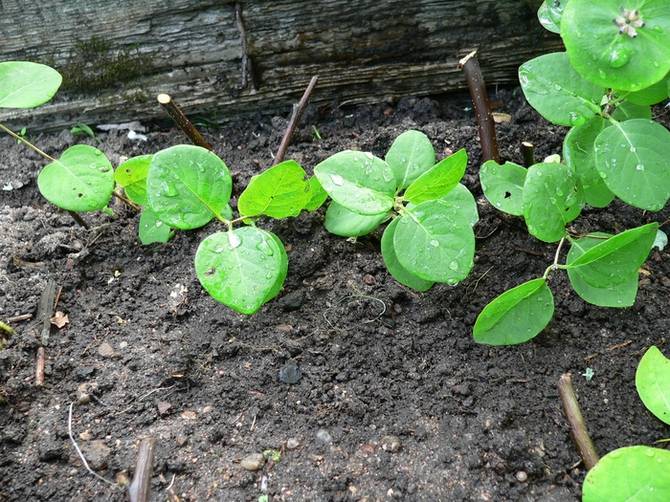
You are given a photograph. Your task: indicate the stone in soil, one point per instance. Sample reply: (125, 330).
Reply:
(253, 462)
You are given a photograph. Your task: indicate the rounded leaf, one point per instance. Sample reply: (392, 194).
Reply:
(632, 158)
(652, 380)
(627, 110)
(399, 273)
(620, 44)
(132, 177)
(549, 14)
(461, 204)
(187, 186)
(557, 91)
(434, 243)
(359, 181)
(240, 268)
(503, 185)
(516, 316)
(650, 95)
(340, 221)
(632, 473)
(151, 229)
(27, 85)
(410, 155)
(551, 200)
(82, 179)
(283, 270)
(279, 192)
(579, 155)
(439, 180)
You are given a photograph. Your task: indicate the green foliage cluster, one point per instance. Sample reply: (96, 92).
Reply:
(616, 65)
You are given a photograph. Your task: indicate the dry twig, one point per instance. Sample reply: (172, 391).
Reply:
(140, 488)
(298, 110)
(577, 425)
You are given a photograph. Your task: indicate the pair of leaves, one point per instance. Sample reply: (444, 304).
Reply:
(27, 85)
(546, 194)
(601, 271)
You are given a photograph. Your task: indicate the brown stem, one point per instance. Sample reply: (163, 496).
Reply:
(248, 75)
(140, 489)
(298, 110)
(126, 201)
(39, 367)
(577, 425)
(528, 153)
(175, 112)
(480, 100)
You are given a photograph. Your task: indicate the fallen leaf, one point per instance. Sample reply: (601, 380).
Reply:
(59, 319)
(500, 118)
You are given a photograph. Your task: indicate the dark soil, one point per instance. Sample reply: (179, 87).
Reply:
(472, 421)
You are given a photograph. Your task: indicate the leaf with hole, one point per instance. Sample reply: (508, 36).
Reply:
(27, 85)
(340, 221)
(652, 380)
(579, 155)
(557, 91)
(359, 181)
(503, 185)
(241, 268)
(410, 155)
(632, 158)
(622, 45)
(399, 273)
(551, 200)
(152, 230)
(632, 473)
(516, 316)
(82, 179)
(131, 175)
(618, 294)
(187, 186)
(440, 180)
(434, 244)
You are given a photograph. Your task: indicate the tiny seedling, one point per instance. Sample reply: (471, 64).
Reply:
(615, 66)
(637, 472)
(430, 237)
(82, 130)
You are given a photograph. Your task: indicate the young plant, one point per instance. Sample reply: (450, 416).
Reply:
(81, 180)
(429, 238)
(637, 472)
(185, 187)
(615, 66)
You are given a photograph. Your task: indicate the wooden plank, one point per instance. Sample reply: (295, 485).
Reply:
(363, 51)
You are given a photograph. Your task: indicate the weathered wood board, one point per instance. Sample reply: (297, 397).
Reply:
(116, 56)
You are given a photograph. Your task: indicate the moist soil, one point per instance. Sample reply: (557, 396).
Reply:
(394, 400)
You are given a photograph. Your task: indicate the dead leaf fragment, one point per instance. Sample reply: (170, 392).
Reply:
(500, 118)
(59, 319)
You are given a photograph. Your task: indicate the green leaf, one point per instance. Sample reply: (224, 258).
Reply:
(579, 155)
(516, 316)
(616, 259)
(619, 294)
(81, 129)
(630, 60)
(317, 195)
(461, 204)
(340, 221)
(503, 185)
(632, 159)
(434, 243)
(187, 186)
(550, 13)
(652, 380)
(132, 177)
(626, 111)
(550, 200)
(410, 155)
(152, 230)
(440, 180)
(240, 268)
(399, 273)
(279, 192)
(632, 473)
(283, 270)
(557, 91)
(27, 85)
(650, 95)
(81, 180)
(358, 181)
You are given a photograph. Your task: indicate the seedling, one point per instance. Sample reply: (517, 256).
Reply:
(616, 66)
(429, 238)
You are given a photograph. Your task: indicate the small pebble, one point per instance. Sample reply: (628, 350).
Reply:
(324, 436)
(106, 350)
(292, 443)
(253, 462)
(391, 443)
(290, 373)
(369, 279)
(181, 440)
(163, 407)
(521, 477)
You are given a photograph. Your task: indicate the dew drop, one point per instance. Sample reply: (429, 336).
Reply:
(639, 167)
(337, 179)
(434, 243)
(618, 57)
(234, 240)
(633, 149)
(453, 266)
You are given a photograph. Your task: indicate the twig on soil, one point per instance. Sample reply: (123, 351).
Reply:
(577, 425)
(140, 488)
(45, 311)
(528, 153)
(609, 349)
(39, 367)
(480, 100)
(248, 75)
(476, 283)
(171, 495)
(298, 110)
(79, 452)
(126, 201)
(19, 318)
(187, 127)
